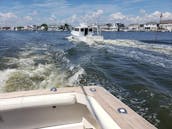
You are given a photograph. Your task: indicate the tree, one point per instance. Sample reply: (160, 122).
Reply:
(67, 26)
(61, 27)
(44, 26)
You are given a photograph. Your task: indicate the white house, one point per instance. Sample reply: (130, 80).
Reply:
(28, 28)
(114, 27)
(166, 25)
(52, 27)
(133, 27)
(151, 26)
(105, 27)
(109, 27)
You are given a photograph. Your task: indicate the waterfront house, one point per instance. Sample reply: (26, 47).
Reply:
(106, 27)
(41, 28)
(52, 27)
(151, 26)
(29, 27)
(15, 29)
(19, 28)
(166, 25)
(121, 26)
(34, 27)
(6, 28)
(141, 27)
(112, 27)
(109, 27)
(133, 27)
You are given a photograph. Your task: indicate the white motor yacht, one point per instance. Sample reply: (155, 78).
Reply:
(85, 33)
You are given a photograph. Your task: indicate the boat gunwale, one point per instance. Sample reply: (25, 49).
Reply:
(109, 103)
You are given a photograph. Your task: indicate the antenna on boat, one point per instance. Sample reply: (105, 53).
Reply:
(98, 27)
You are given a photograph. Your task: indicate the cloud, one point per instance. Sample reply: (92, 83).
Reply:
(143, 18)
(142, 11)
(89, 18)
(52, 19)
(118, 16)
(92, 17)
(34, 13)
(73, 19)
(62, 11)
(136, 1)
(98, 16)
(97, 13)
(167, 15)
(52, 4)
(155, 16)
(28, 18)
(8, 15)
(7, 18)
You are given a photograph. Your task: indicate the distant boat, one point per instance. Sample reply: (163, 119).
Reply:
(67, 108)
(85, 33)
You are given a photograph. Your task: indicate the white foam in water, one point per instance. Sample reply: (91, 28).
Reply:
(71, 67)
(147, 57)
(4, 75)
(25, 53)
(62, 73)
(26, 62)
(161, 48)
(76, 76)
(128, 48)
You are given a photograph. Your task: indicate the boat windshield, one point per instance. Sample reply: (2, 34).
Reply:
(82, 29)
(76, 29)
(90, 29)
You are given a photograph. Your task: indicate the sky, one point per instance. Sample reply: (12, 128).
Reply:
(29, 12)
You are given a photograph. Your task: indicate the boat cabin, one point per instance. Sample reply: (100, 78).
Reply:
(82, 30)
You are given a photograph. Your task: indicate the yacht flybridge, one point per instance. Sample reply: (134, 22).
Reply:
(87, 34)
(67, 108)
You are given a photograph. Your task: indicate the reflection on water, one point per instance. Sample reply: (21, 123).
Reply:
(138, 73)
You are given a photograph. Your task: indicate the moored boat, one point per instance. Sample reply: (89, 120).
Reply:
(67, 108)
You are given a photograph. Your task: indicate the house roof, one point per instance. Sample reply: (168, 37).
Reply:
(148, 23)
(133, 25)
(166, 22)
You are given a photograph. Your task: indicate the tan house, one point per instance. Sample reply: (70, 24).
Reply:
(133, 27)
(166, 25)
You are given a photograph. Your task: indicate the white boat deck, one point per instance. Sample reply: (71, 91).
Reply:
(74, 108)
(69, 126)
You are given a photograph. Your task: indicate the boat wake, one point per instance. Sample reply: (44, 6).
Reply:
(38, 68)
(161, 48)
(155, 54)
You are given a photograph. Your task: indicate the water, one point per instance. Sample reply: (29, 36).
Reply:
(136, 67)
